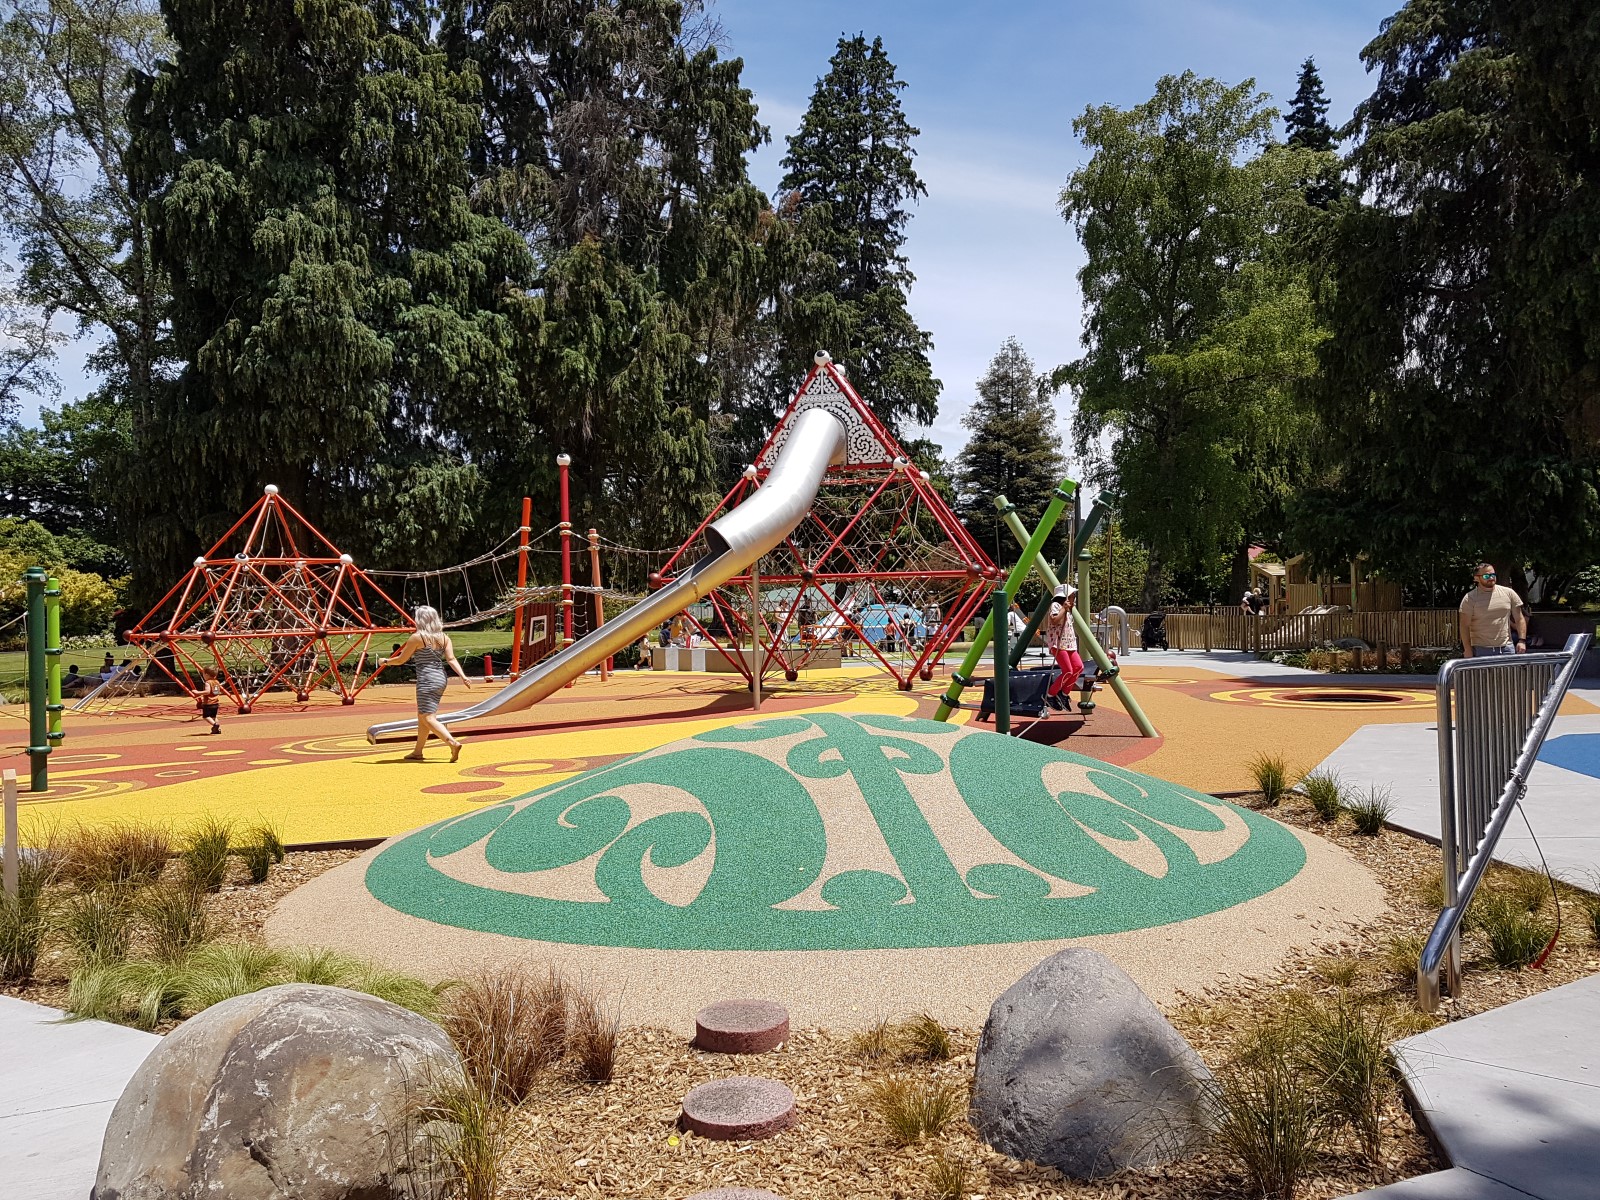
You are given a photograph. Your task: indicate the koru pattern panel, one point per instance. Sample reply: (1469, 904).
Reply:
(862, 446)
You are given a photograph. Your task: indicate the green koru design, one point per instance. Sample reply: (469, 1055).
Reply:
(838, 832)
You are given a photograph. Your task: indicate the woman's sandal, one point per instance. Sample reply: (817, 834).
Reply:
(455, 751)
(412, 758)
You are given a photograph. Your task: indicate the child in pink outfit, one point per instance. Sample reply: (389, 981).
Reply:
(1061, 639)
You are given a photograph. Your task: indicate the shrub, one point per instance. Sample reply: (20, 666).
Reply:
(205, 854)
(923, 1037)
(25, 918)
(913, 1109)
(1343, 1043)
(1530, 889)
(1269, 1118)
(1589, 906)
(1371, 811)
(257, 858)
(175, 915)
(1339, 972)
(98, 925)
(119, 855)
(1325, 792)
(1271, 774)
(508, 1026)
(592, 1034)
(874, 1042)
(1400, 956)
(947, 1178)
(1516, 936)
(470, 1134)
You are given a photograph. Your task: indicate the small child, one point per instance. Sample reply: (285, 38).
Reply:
(209, 698)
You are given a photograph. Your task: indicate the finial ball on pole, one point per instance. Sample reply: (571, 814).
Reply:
(271, 489)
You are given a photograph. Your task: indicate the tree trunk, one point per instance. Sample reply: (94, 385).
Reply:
(1239, 571)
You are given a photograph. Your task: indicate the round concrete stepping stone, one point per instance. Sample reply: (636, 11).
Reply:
(741, 1026)
(741, 1108)
(735, 1194)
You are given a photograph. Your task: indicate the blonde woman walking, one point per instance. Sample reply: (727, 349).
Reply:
(430, 647)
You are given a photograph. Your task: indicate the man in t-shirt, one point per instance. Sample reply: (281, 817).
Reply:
(1489, 612)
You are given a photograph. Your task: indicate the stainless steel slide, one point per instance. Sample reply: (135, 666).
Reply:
(736, 539)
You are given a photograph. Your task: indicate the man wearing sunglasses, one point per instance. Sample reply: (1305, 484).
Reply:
(1489, 612)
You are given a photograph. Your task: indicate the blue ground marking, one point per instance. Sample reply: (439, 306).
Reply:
(1578, 752)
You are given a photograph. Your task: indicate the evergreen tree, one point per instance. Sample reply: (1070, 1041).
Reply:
(1463, 301)
(614, 141)
(848, 178)
(344, 319)
(1307, 126)
(1014, 450)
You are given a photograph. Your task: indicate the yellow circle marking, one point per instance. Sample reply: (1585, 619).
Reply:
(269, 762)
(1394, 700)
(174, 774)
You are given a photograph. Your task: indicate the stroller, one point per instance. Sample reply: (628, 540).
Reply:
(1153, 632)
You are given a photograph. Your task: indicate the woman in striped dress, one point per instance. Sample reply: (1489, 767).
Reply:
(430, 649)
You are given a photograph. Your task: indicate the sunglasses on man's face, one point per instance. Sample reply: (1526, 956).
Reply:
(1487, 575)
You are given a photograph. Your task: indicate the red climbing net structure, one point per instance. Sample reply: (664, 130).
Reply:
(273, 605)
(880, 567)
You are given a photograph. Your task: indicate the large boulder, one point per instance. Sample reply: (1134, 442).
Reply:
(295, 1092)
(1078, 1070)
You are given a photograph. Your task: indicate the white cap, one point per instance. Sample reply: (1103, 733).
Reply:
(271, 489)
(563, 460)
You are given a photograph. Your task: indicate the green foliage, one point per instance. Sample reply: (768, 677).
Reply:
(204, 851)
(1589, 910)
(87, 601)
(176, 918)
(1306, 124)
(1199, 321)
(1370, 812)
(948, 1178)
(1456, 298)
(25, 918)
(1516, 934)
(1343, 1044)
(64, 476)
(474, 1133)
(1271, 775)
(1325, 792)
(1117, 568)
(1270, 1119)
(98, 925)
(145, 993)
(121, 854)
(1014, 451)
(848, 176)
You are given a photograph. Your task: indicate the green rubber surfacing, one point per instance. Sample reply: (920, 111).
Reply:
(753, 792)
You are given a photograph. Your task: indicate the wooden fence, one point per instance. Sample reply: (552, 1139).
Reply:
(1230, 629)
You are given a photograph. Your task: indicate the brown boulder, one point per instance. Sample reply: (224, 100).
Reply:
(296, 1092)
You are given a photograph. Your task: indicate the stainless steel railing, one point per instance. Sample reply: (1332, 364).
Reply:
(1494, 714)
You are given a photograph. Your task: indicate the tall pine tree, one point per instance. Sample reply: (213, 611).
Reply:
(1306, 124)
(1014, 450)
(614, 141)
(848, 179)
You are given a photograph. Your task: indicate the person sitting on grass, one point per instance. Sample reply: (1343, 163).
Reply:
(431, 650)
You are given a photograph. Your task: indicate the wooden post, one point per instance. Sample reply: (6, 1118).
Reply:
(1355, 659)
(8, 877)
(1383, 656)
(1405, 657)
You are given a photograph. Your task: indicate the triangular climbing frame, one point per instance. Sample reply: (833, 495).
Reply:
(273, 604)
(880, 567)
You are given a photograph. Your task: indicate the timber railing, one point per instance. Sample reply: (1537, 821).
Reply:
(1231, 629)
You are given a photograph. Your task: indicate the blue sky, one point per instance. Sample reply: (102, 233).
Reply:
(994, 88)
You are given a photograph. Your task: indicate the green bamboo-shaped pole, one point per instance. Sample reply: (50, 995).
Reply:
(1081, 624)
(1042, 610)
(962, 676)
(52, 657)
(38, 716)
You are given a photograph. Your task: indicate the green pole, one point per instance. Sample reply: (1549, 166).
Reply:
(1097, 513)
(962, 676)
(38, 718)
(52, 656)
(1085, 634)
(1002, 663)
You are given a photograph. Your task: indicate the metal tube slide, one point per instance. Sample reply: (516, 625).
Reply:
(735, 541)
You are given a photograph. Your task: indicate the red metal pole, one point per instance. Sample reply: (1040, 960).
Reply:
(522, 583)
(599, 604)
(563, 461)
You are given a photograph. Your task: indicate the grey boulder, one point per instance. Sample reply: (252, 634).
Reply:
(1078, 1070)
(297, 1092)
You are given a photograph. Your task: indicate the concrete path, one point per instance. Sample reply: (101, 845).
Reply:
(1562, 804)
(58, 1083)
(1513, 1098)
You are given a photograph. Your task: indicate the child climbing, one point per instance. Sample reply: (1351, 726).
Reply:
(1061, 639)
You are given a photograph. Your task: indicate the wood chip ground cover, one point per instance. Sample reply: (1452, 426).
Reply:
(620, 1141)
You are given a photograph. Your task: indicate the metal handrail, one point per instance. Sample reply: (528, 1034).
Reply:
(1492, 717)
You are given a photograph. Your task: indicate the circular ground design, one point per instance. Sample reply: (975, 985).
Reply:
(1282, 697)
(835, 832)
